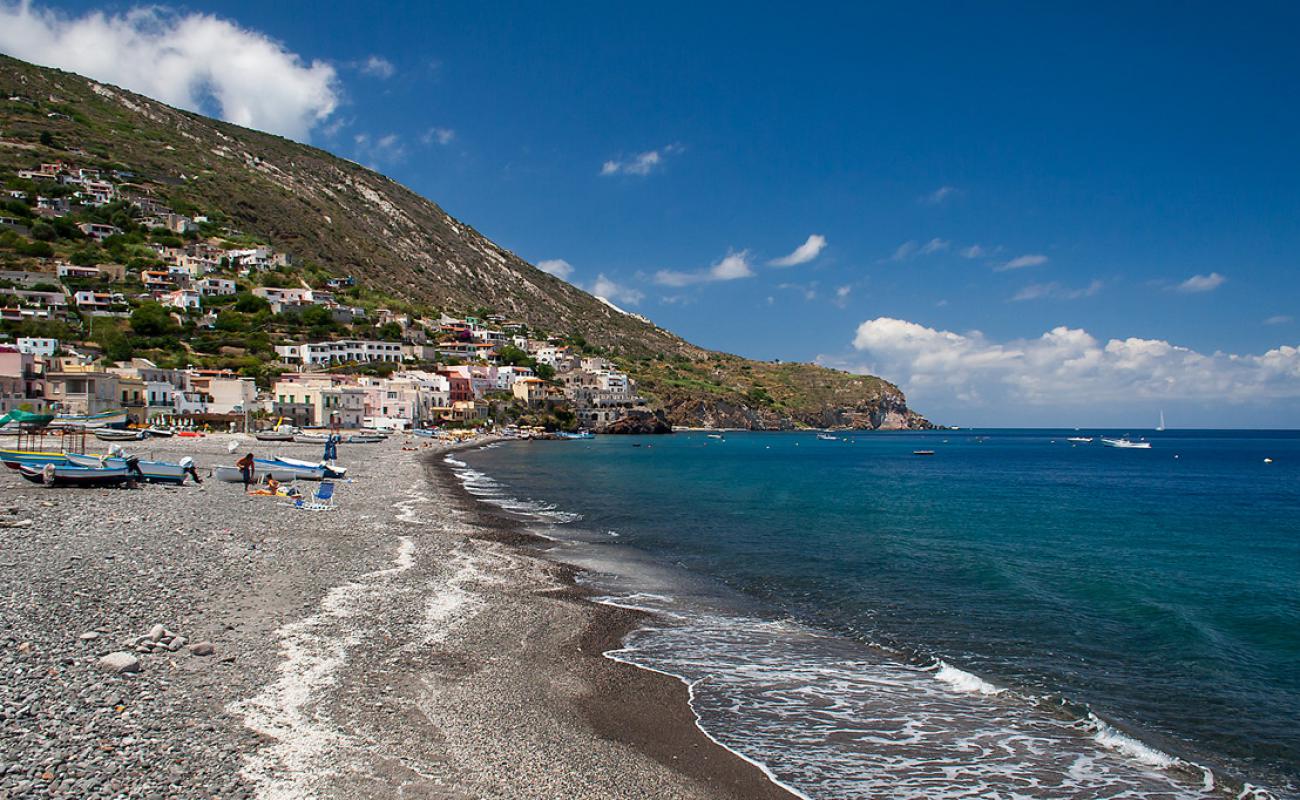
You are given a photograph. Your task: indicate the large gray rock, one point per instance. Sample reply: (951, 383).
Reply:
(120, 662)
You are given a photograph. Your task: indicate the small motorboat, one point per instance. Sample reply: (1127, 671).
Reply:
(1126, 444)
(311, 438)
(152, 471)
(160, 432)
(100, 420)
(578, 435)
(331, 471)
(922, 452)
(278, 435)
(260, 473)
(68, 475)
(118, 435)
(713, 436)
(365, 438)
(13, 459)
(305, 471)
(826, 437)
(1080, 439)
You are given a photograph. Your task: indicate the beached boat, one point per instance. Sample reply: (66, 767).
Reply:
(118, 435)
(261, 473)
(68, 475)
(311, 438)
(426, 432)
(1126, 443)
(307, 472)
(274, 436)
(100, 420)
(1080, 439)
(32, 458)
(364, 438)
(152, 471)
(160, 432)
(331, 470)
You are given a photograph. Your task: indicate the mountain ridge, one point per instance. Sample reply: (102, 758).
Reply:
(348, 219)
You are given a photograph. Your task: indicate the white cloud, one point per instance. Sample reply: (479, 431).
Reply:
(733, 266)
(196, 61)
(911, 248)
(439, 135)
(641, 163)
(610, 290)
(935, 246)
(1202, 283)
(1055, 291)
(842, 296)
(1067, 368)
(939, 196)
(557, 267)
(1020, 262)
(803, 253)
(904, 251)
(974, 251)
(378, 67)
(1278, 319)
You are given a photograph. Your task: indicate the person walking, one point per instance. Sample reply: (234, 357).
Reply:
(246, 470)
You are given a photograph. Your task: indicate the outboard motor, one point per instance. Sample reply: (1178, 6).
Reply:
(133, 467)
(187, 464)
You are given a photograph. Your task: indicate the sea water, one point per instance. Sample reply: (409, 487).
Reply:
(1016, 615)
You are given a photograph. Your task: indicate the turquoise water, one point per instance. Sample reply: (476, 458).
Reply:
(1015, 615)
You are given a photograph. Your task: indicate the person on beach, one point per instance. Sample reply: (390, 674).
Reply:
(245, 465)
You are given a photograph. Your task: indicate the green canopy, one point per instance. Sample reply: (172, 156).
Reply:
(26, 419)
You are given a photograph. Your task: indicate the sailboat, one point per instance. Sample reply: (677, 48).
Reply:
(1161, 426)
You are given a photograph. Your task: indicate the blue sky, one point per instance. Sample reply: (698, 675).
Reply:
(980, 177)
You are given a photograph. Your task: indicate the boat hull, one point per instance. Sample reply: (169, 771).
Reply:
(76, 476)
(33, 458)
(101, 420)
(153, 471)
(232, 474)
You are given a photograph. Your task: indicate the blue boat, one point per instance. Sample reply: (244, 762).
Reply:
(54, 475)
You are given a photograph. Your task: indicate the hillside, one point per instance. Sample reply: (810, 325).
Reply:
(343, 219)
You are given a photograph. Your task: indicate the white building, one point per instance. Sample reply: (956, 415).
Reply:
(182, 298)
(343, 351)
(210, 287)
(37, 347)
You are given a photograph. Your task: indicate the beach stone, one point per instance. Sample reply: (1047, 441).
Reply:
(157, 632)
(176, 643)
(120, 662)
(89, 636)
(202, 649)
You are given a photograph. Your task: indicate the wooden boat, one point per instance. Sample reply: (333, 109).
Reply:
(100, 420)
(310, 438)
(364, 438)
(68, 475)
(261, 473)
(159, 432)
(307, 472)
(152, 471)
(274, 436)
(13, 459)
(117, 435)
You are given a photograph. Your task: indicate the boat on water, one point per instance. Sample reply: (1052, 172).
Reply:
(1125, 443)
(118, 435)
(578, 435)
(69, 475)
(1080, 439)
(331, 470)
(104, 419)
(922, 452)
(713, 436)
(152, 471)
(826, 437)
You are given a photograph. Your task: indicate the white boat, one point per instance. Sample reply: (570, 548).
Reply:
(100, 420)
(1126, 443)
(1080, 439)
(714, 436)
(118, 435)
(153, 471)
(310, 438)
(826, 437)
(331, 471)
(260, 473)
(1161, 426)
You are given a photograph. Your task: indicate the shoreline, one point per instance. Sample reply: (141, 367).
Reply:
(631, 700)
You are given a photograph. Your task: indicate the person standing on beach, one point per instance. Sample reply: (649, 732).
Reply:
(246, 468)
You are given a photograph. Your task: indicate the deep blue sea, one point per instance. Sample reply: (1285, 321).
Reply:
(1016, 615)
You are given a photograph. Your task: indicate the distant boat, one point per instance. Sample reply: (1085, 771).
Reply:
(714, 436)
(922, 452)
(277, 435)
(1126, 443)
(118, 435)
(826, 437)
(1161, 426)
(1080, 439)
(365, 438)
(311, 438)
(100, 420)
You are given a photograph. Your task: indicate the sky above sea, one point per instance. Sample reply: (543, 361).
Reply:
(1023, 214)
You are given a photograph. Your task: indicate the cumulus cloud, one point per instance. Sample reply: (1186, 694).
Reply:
(641, 163)
(557, 267)
(733, 266)
(939, 196)
(1068, 367)
(803, 253)
(378, 67)
(616, 292)
(1055, 291)
(1020, 262)
(1201, 283)
(196, 61)
(440, 135)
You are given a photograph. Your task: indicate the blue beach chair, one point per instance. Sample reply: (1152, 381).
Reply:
(321, 500)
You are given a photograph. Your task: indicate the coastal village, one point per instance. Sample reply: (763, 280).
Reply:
(111, 299)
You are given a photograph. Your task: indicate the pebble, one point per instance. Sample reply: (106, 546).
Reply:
(120, 662)
(202, 649)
